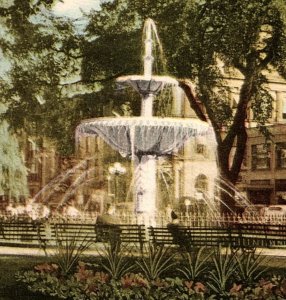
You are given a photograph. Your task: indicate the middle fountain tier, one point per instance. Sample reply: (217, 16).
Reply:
(145, 138)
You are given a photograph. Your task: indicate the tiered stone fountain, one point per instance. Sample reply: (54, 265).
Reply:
(145, 138)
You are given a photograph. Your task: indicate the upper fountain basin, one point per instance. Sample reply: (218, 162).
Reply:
(141, 135)
(146, 85)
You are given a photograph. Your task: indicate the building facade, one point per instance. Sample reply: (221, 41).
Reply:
(263, 175)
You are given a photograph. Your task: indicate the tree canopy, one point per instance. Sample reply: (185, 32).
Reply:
(13, 175)
(42, 51)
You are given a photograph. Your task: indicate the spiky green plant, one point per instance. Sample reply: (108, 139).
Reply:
(114, 260)
(157, 261)
(69, 250)
(250, 266)
(224, 268)
(194, 263)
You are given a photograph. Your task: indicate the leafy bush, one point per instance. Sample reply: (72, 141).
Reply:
(69, 250)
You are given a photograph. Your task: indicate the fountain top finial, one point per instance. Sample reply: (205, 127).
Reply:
(148, 57)
(148, 84)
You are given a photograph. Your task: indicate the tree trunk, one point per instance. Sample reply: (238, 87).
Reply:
(229, 171)
(234, 141)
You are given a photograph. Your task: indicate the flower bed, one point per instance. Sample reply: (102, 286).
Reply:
(160, 274)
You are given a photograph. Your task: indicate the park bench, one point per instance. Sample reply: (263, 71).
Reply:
(173, 236)
(276, 235)
(70, 231)
(211, 236)
(43, 234)
(245, 236)
(123, 233)
(249, 236)
(190, 237)
(21, 233)
(255, 235)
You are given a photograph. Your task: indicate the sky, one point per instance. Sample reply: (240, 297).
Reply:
(69, 8)
(72, 8)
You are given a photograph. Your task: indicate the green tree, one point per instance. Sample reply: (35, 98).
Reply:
(45, 89)
(43, 53)
(246, 37)
(13, 175)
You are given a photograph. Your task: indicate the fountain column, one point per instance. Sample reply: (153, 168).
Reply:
(146, 166)
(147, 99)
(145, 187)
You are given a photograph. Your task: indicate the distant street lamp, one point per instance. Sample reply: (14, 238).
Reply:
(116, 170)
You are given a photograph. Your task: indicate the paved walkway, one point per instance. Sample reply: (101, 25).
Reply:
(6, 250)
(25, 251)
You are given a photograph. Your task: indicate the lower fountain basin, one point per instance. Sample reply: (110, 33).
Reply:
(141, 135)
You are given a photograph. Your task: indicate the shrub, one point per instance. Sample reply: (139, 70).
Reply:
(249, 267)
(195, 263)
(157, 261)
(225, 266)
(115, 262)
(69, 250)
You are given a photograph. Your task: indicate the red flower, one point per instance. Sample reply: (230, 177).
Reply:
(199, 287)
(133, 280)
(46, 268)
(189, 284)
(235, 288)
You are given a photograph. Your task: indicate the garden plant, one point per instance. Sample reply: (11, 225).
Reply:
(158, 273)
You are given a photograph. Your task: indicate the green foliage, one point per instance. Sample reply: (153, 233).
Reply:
(114, 262)
(88, 281)
(157, 261)
(69, 250)
(195, 264)
(45, 279)
(13, 175)
(220, 276)
(250, 267)
(42, 54)
(207, 42)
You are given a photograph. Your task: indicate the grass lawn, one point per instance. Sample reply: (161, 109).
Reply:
(10, 289)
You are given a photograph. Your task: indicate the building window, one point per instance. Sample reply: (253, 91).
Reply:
(260, 156)
(281, 155)
(32, 157)
(201, 183)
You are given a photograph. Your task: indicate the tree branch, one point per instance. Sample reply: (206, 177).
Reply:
(194, 101)
(104, 79)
